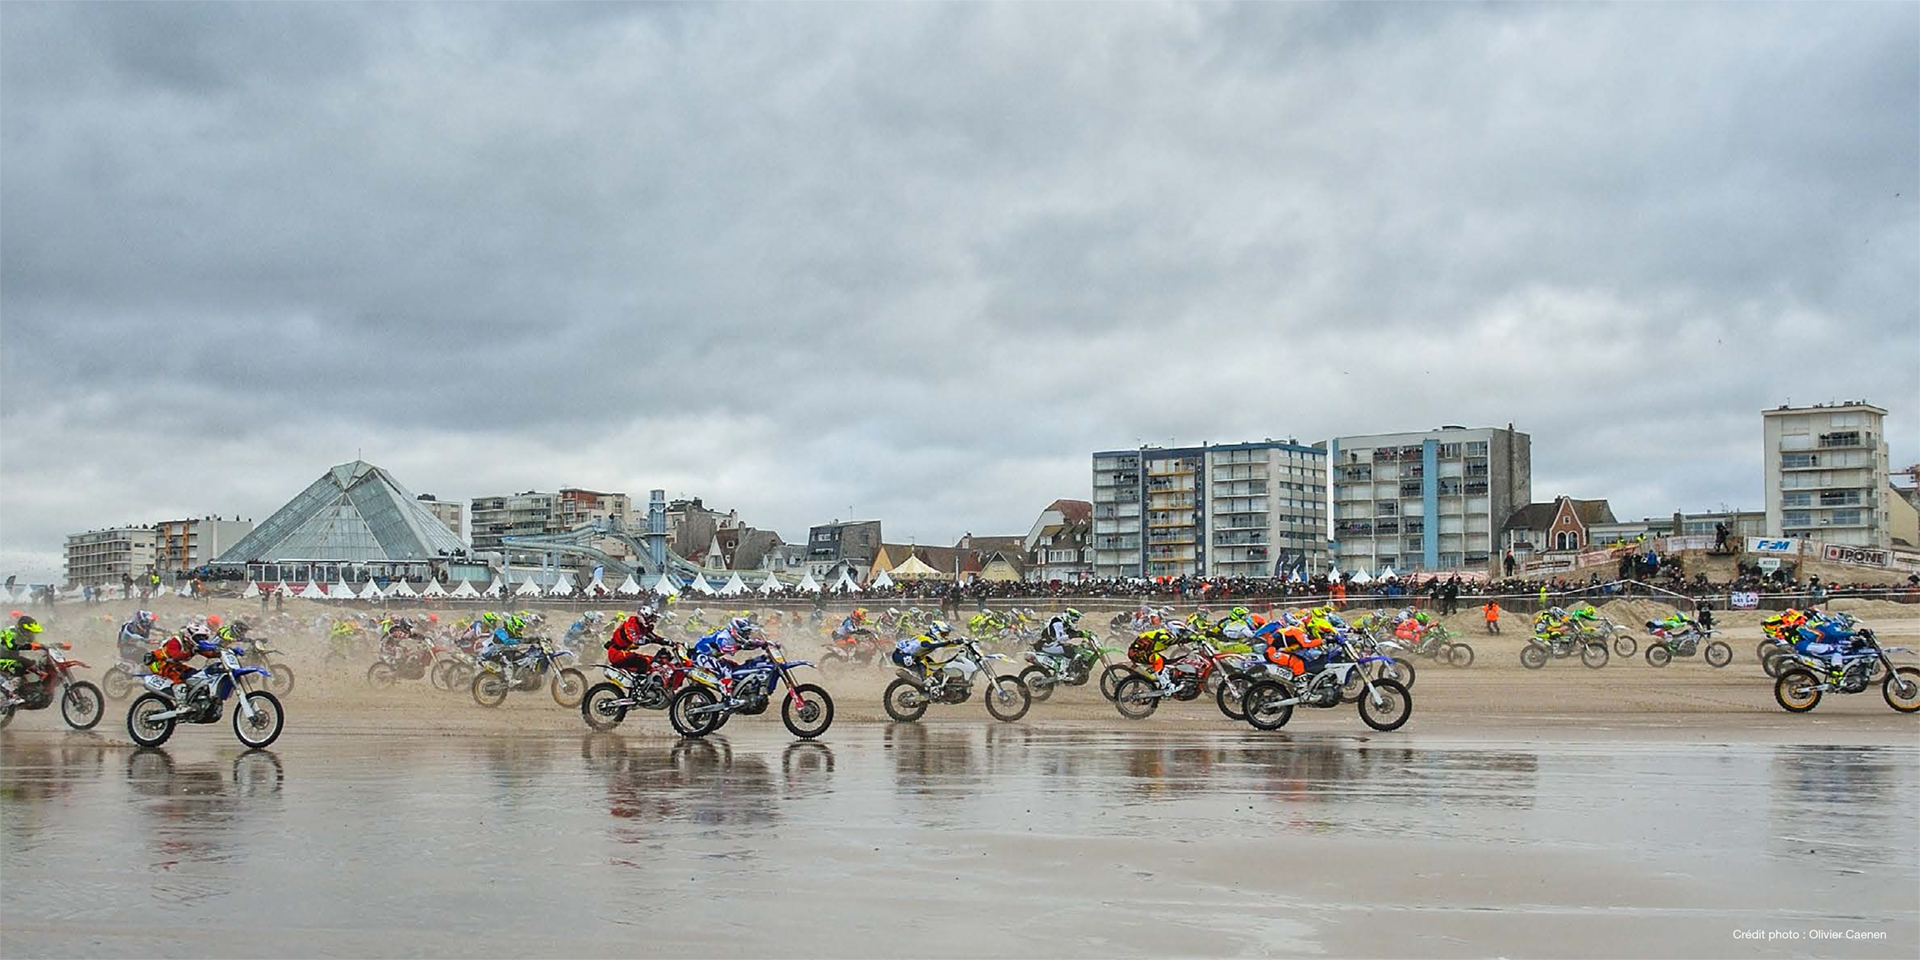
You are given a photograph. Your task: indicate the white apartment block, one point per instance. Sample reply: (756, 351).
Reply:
(1243, 509)
(1826, 471)
(1434, 500)
(101, 557)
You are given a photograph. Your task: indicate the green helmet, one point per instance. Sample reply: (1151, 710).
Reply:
(1421, 617)
(1072, 615)
(1240, 613)
(490, 618)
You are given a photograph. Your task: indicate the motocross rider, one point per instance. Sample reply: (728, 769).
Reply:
(170, 659)
(15, 643)
(910, 653)
(854, 624)
(1148, 650)
(629, 635)
(136, 636)
(711, 650)
(1060, 633)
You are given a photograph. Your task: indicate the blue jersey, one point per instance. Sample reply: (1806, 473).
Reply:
(714, 644)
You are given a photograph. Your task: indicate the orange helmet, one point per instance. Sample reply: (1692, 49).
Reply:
(213, 619)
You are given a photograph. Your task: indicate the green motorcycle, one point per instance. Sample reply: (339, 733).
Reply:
(1074, 668)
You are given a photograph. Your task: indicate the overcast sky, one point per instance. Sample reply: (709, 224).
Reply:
(917, 262)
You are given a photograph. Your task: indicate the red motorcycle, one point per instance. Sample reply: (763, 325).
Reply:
(402, 657)
(81, 703)
(607, 703)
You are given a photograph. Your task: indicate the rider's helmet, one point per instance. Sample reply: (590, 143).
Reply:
(939, 628)
(1421, 618)
(490, 618)
(1239, 613)
(433, 618)
(859, 613)
(648, 616)
(1072, 615)
(591, 616)
(239, 630)
(144, 619)
(26, 623)
(515, 623)
(213, 620)
(741, 627)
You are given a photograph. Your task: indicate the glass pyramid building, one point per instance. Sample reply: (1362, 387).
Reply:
(355, 513)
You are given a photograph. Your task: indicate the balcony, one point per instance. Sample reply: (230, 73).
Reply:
(1410, 489)
(1845, 439)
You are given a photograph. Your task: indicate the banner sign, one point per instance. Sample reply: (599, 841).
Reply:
(1769, 564)
(1594, 557)
(1744, 600)
(1902, 560)
(1772, 545)
(1856, 556)
(1677, 544)
(1546, 564)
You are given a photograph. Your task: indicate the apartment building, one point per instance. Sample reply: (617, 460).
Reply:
(102, 557)
(1242, 509)
(452, 513)
(534, 513)
(183, 545)
(1826, 473)
(1434, 500)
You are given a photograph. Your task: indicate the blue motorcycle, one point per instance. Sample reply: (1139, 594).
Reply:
(526, 666)
(257, 718)
(715, 690)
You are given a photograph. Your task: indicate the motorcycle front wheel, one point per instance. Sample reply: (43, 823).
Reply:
(1110, 679)
(279, 678)
(1135, 698)
(569, 685)
(904, 702)
(82, 705)
(1902, 689)
(118, 683)
(1008, 699)
(1229, 696)
(1718, 654)
(1460, 655)
(1391, 713)
(1625, 645)
(812, 716)
(267, 722)
(144, 730)
(1594, 655)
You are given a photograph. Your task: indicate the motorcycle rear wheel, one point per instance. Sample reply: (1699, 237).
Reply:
(1533, 656)
(1796, 691)
(382, 676)
(904, 702)
(1134, 698)
(118, 683)
(1039, 683)
(145, 732)
(1904, 684)
(82, 705)
(596, 707)
(1262, 705)
(1658, 655)
(489, 689)
(692, 698)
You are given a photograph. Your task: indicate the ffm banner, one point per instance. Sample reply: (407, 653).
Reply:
(1776, 545)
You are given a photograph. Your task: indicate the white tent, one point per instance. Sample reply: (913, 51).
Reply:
(372, 592)
(252, 590)
(312, 591)
(808, 584)
(434, 589)
(341, 591)
(284, 589)
(665, 587)
(630, 586)
(527, 588)
(772, 586)
(700, 585)
(495, 589)
(465, 590)
(845, 584)
(401, 588)
(562, 587)
(880, 581)
(1388, 574)
(734, 587)
(1335, 575)
(1362, 577)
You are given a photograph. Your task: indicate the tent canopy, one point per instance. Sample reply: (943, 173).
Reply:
(881, 581)
(629, 587)
(808, 584)
(466, 591)
(434, 589)
(734, 587)
(772, 586)
(913, 568)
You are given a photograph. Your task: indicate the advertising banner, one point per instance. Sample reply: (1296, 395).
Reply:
(1856, 556)
(1785, 546)
(1744, 600)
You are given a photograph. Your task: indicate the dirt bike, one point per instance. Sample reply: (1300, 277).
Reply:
(402, 657)
(1384, 704)
(81, 703)
(261, 653)
(1384, 662)
(1074, 668)
(906, 699)
(123, 678)
(606, 704)
(862, 649)
(526, 666)
(1606, 631)
(1805, 677)
(1187, 677)
(716, 691)
(1667, 645)
(1540, 649)
(1438, 643)
(257, 721)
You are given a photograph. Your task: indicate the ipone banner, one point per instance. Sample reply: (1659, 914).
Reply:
(1856, 556)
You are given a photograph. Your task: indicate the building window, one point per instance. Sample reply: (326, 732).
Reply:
(1796, 518)
(1792, 460)
(1796, 499)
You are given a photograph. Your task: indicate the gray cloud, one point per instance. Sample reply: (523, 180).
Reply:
(916, 262)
